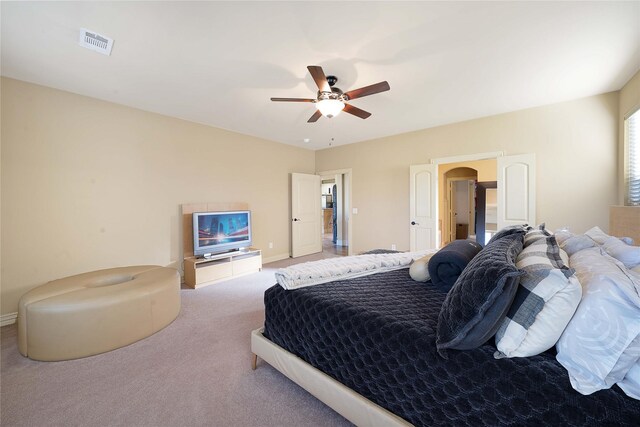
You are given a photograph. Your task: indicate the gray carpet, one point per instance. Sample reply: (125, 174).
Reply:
(195, 372)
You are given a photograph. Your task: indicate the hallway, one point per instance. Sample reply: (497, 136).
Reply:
(329, 247)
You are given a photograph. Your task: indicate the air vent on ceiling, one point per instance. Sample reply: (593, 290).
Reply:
(94, 41)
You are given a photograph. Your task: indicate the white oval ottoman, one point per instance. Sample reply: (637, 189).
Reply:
(91, 313)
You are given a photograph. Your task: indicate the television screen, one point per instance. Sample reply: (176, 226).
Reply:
(220, 231)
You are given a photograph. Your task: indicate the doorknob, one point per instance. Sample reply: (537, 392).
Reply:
(296, 219)
(414, 223)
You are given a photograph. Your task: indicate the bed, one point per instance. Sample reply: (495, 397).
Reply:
(366, 346)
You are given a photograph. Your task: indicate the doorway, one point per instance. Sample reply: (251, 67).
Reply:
(458, 174)
(515, 195)
(330, 205)
(335, 207)
(486, 211)
(460, 204)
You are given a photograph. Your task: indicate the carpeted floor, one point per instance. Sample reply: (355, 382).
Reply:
(195, 372)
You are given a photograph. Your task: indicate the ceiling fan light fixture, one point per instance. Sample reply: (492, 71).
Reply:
(330, 107)
(331, 100)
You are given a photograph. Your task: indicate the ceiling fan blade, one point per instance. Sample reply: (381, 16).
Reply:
(315, 117)
(293, 99)
(368, 90)
(319, 78)
(356, 111)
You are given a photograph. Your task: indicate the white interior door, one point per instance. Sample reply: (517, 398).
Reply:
(306, 214)
(423, 206)
(516, 190)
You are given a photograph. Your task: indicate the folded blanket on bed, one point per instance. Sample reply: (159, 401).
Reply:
(328, 270)
(447, 264)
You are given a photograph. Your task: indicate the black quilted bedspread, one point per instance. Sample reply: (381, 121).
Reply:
(376, 335)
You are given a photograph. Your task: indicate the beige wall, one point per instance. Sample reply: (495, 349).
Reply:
(576, 150)
(629, 102)
(88, 184)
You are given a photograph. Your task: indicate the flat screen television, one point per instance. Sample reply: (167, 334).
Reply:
(218, 232)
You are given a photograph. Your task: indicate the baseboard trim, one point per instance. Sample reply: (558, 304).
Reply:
(275, 258)
(8, 319)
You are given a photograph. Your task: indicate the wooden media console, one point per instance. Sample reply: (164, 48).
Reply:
(200, 271)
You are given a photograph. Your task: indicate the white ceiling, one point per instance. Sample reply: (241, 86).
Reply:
(218, 63)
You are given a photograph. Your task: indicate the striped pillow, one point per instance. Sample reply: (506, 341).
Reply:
(541, 252)
(535, 234)
(547, 297)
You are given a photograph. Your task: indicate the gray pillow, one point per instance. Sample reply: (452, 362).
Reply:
(479, 300)
(510, 229)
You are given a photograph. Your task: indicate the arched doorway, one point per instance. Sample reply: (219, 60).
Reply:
(459, 204)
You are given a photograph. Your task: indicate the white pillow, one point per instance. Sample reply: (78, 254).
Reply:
(418, 270)
(602, 341)
(627, 240)
(626, 254)
(562, 234)
(577, 243)
(597, 235)
(547, 297)
(631, 382)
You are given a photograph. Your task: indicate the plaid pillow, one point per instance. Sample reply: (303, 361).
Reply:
(547, 297)
(535, 234)
(540, 252)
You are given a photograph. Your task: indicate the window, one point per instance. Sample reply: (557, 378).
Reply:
(632, 160)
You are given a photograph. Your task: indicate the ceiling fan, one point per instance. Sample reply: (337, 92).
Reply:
(331, 100)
